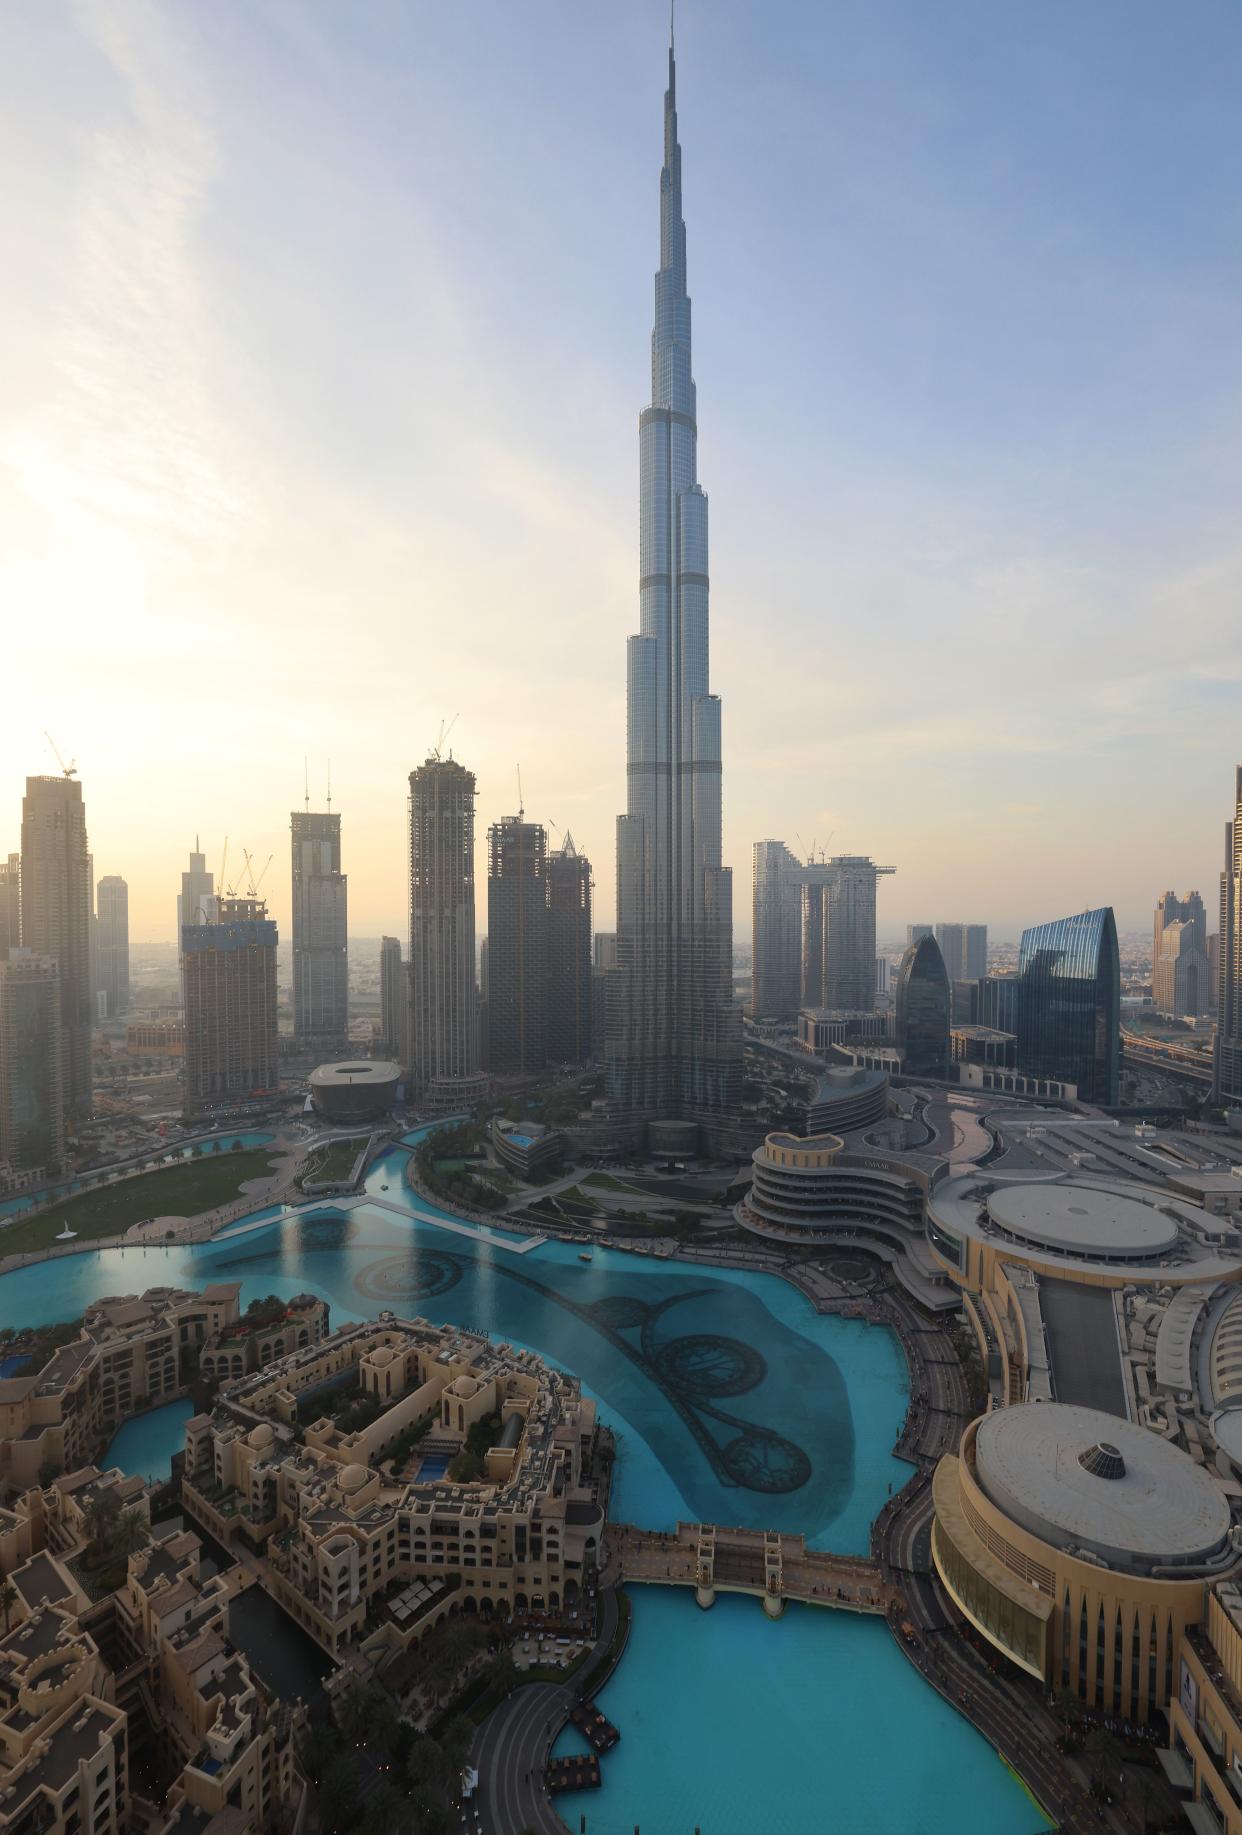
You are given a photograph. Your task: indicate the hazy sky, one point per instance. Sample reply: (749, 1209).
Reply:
(323, 341)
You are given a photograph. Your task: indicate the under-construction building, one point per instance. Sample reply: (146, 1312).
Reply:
(569, 1027)
(394, 1000)
(838, 932)
(56, 906)
(444, 1043)
(232, 1050)
(32, 1116)
(776, 957)
(517, 946)
(320, 929)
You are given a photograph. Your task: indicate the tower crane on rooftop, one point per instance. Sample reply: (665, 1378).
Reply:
(70, 770)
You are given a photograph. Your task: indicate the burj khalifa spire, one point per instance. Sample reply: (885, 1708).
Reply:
(674, 1034)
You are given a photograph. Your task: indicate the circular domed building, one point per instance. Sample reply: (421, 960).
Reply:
(361, 1090)
(1078, 1544)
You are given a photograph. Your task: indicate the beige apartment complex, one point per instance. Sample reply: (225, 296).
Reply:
(135, 1352)
(84, 1685)
(345, 1534)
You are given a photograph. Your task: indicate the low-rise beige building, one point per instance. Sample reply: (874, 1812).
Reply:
(80, 1680)
(129, 1355)
(343, 1534)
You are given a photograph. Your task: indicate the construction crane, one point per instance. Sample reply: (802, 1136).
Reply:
(521, 799)
(65, 770)
(255, 884)
(442, 741)
(231, 891)
(224, 861)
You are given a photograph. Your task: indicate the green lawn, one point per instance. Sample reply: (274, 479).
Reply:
(336, 1161)
(604, 1181)
(174, 1191)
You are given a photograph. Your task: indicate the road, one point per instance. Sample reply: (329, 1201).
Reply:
(512, 1747)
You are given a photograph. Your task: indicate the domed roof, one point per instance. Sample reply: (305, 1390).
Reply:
(383, 1356)
(261, 1435)
(1080, 1479)
(353, 1478)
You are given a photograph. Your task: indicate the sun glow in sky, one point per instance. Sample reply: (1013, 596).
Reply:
(322, 347)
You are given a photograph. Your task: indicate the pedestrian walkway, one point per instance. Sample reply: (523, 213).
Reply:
(770, 1566)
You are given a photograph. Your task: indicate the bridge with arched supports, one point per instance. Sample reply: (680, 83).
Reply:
(773, 1567)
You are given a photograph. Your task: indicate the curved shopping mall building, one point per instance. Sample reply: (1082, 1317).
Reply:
(1079, 1544)
(847, 1098)
(813, 1188)
(1094, 1231)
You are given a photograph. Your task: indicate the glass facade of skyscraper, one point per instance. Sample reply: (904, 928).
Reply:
(1069, 1003)
(674, 1035)
(922, 1011)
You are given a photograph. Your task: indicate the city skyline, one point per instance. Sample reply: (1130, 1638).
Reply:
(207, 514)
(492, 1272)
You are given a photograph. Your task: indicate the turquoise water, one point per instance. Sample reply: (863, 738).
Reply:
(813, 1724)
(145, 1445)
(180, 1150)
(734, 1401)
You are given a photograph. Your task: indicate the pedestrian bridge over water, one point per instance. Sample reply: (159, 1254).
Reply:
(773, 1567)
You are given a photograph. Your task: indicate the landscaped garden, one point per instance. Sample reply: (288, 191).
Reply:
(442, 1161)
(183, 1190)
(332, 1163)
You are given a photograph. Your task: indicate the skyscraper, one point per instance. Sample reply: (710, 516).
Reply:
(916, 932)
(112, 944)
(444, 1051)
(32, 1120)
(320, 946)
(10, 904)
(232, 1051)
(922, 1011)
(394, 1000)
(517, 946)
(776, 960)
(196, 900)
(675, 1042)
(838, 932)
(56, 916)
(569, 1036)
(964, 948)
(1069, 1003)
(1180, 973)
(1229, 996)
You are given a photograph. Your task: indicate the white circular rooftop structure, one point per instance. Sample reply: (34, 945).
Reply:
(1081, 1479)
(1082, 1221)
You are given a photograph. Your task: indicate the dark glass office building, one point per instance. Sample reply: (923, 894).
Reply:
(922, 1011)
(1069, 1003)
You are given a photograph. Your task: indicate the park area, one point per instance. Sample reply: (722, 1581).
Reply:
(174, 1191)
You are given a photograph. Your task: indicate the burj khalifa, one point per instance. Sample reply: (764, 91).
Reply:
(674, 1042)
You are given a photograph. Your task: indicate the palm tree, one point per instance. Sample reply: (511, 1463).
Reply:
(503, 1671)
(131, 1532)
(97, 1521)
(1105, 1754)
(456, 1741)
(8, 1599)
(354, 1711)
(427, 1770)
